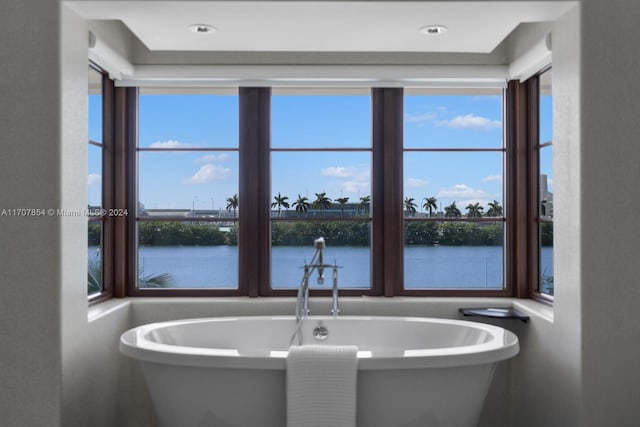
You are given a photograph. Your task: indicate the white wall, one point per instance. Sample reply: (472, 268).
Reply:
(610, 174)
(591, 348)
(56, 367)
(93, 372)
(580, 368)
(30, 262)
(547, 378)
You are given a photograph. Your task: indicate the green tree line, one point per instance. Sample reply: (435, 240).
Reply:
(303, 233)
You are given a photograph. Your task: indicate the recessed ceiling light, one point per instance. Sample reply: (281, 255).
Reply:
(202, 28)
(433, 30)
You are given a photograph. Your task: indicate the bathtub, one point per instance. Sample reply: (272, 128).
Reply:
(230, 372)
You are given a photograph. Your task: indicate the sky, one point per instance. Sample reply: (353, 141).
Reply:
(205, 179)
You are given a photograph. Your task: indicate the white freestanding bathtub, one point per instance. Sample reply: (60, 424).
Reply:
(230, 372)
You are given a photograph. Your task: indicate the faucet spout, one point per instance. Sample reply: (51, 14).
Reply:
(335, 307)
(319, 245)
(302, 302)
(317, 263)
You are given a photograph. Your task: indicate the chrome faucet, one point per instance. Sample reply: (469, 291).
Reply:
(317, 263)
(302, 300)
(335, 307)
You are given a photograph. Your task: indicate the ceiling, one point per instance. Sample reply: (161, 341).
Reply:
(322, 26)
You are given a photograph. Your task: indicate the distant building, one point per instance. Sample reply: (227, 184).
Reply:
(168, 213)
(348, 210)
(546, 198)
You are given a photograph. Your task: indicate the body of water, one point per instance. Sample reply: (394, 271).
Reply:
(460, 267)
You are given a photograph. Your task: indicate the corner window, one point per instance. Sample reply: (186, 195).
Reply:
(544, 204)
(95, 232)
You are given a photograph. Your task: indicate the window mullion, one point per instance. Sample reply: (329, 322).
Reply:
(522, 175)
(254, 235)
(108, 178)
(124, 185)
(388, 265)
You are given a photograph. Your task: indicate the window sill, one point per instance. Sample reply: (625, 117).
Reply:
(105, 308)
(171, 308)
(534, 308)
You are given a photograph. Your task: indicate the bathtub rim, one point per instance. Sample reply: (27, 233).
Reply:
(503, 345)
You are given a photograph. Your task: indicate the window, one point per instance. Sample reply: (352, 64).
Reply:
(188, 200)
(453, 191)
(416, 192)
(102, 170)
(95, 282)
(544, 205)
(321, 185)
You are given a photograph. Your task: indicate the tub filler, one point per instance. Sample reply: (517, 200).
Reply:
(231, 372)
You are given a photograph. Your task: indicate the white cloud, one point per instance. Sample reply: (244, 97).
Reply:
(94, 179)
(471, 121)
(208, 173)
(356, 187)
(417, 182)
(419, 118)
(491, 178)
(211, 158)
(348, 180)
(463, 192)
(339, 171)
(172, 143)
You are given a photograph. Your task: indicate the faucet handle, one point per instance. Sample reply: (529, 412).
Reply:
(319, 243)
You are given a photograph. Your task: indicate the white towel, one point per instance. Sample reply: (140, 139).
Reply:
(321, 386)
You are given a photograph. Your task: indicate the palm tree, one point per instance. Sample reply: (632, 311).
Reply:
(321, 202)
(494, 209)
(302, 204)
(94, 277)
(410, 206)
(158, 280)
(342, 201)
(232, 203)
(474, 210)
(452, 211)
(280, 202)
(430, 204)
(364, 203)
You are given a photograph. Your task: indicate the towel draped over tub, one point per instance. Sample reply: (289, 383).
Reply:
(321, 386)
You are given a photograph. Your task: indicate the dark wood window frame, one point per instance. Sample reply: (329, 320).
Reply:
(387, 215)
(130, 106)
(524, 131)
(535, 219)
(107, 182)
